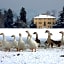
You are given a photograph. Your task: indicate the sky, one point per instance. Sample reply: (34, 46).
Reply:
(33, 7)
(41, 33)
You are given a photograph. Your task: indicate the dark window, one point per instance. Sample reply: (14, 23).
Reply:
(49, 26)
(40, 26)
(40, 18)
(44, 23)
(40, 22)
(48, 18)
(49, 22)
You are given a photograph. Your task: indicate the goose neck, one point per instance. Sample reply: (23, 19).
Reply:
(62, 37)
(4, 37)
(49, 36)
(20, 38)
(14, 38)
(36, 36)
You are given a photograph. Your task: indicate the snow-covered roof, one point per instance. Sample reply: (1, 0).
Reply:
(44, 16)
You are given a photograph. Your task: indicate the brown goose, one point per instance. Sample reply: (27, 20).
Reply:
(51, 41)
(62, 39)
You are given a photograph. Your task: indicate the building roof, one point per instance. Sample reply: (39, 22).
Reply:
(44, 16)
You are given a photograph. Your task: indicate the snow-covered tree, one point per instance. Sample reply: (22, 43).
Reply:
(60, 21)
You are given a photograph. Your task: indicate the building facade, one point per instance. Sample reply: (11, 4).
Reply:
(44, 21)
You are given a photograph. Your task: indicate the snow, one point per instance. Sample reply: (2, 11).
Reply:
(44, 16)
(41, 56)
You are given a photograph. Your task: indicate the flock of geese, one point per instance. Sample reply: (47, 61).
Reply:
(33, 44)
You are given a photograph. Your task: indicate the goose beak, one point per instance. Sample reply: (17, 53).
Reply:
(1, 33)
(51, 34)
(60, 32)
(19, 34)
(26, 31)
(12, 36)
(46, 31)
(34, 33)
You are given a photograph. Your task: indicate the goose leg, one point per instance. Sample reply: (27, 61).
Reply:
(17, 49)
(51, 45)
(9, 50)
(48, 45)
(32, 49)
(21, 49)
(35, 49)
(5, 50)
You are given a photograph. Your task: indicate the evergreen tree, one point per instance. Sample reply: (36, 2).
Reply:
(8, 19)
(5, 19)
(23, 15)
(20, 24)
(60, 22)
(0, 13)
(61, 16)
(32, 25)
(1, 19)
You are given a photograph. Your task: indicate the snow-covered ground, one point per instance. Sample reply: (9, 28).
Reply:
(41, 56)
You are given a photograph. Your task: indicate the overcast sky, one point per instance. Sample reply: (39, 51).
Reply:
(33, 7)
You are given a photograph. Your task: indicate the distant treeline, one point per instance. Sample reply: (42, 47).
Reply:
(10, 20)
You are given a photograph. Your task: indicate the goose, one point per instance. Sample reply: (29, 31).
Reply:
(62, 39)
(5, 44)
(15, 42)
(49, 42)
(58, 43)
(33, 44)
(37, 40)
(21, 43)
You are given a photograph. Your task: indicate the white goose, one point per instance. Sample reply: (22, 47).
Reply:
(21, 43)
(15, 42)
(33, 44)
(5, 44)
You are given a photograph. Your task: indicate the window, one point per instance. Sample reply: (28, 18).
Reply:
(48, 18)
(49, 22)
(40, 18)
(44, 23)
(40, 22)
(40, 26)
(53, 22)
(49, 26)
